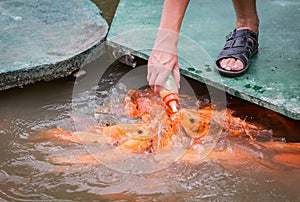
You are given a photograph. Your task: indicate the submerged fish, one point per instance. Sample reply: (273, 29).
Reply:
(151, 128)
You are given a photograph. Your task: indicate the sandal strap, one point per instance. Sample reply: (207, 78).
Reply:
(240, 44)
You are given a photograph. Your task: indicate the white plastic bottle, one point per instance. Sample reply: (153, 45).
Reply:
(169, 93)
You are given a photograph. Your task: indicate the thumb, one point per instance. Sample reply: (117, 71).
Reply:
(176, 75)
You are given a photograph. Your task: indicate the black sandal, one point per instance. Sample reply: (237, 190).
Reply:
(241, 45)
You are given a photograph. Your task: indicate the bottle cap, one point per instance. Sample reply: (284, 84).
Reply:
(172, 97)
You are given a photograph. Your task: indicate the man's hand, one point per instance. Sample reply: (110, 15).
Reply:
(163, 59)
(160, 65)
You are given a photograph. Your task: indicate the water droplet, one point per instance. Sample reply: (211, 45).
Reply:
(247, 86)
(256, 88)
(191, 69)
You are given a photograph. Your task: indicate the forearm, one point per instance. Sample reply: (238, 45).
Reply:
(171, 20)
(172, 15)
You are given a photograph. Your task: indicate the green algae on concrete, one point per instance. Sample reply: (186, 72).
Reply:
(44, 40)
(273, 78)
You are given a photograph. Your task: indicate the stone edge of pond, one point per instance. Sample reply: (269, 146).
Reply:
(48, 72)
(11, 77)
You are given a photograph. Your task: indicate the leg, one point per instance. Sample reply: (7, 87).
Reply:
(246, 15)
(246, 18)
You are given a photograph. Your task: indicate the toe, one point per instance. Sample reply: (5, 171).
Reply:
(237, 65)
(231, 62)
(225, 63)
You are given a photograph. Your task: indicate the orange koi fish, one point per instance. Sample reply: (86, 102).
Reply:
(156, 128)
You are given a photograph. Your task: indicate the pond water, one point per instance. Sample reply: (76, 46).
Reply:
(26, 174)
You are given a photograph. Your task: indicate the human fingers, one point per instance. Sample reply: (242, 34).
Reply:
(157, 77)
(176, 74)
(156, 88)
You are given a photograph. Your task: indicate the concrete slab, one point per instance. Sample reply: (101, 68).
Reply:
(272, 81)
(44, 40)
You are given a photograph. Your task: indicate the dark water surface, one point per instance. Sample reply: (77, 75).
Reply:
(26, 174)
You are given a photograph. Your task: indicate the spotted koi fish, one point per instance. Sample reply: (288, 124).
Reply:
(154, 128)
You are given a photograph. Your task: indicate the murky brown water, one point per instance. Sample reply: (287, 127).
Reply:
(27, 175)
